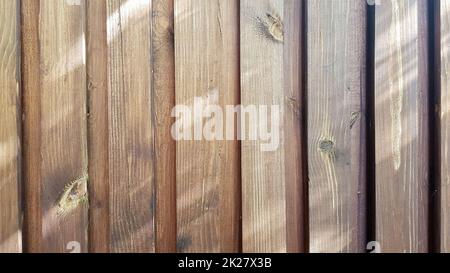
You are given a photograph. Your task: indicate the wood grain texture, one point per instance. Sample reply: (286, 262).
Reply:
(131, 135)
(31, 125)
(97, 76)
(10, 212)
(163, 56)
(63, 125)
(264, 207)
(55, 124)
(207, 67)
(445, 125)
(294, 126)
(401, 125)
(336, 124)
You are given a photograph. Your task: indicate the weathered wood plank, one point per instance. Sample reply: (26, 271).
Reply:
(445, 125)
(31, 125)
(401, 125)
(10, 218)
(336, 124)
(294, 124)
(63, 125)
(207, 68)
(163, 56)
(271, 79)
(55, 125)
(97, 76)
(131, 155)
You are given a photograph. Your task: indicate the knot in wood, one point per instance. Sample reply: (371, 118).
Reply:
(326, 146)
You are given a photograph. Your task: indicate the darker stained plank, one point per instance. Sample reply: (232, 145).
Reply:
(163, 62)
(131, 135)
(295, 156)
(97, 77)
(444, 116)
(31, 129)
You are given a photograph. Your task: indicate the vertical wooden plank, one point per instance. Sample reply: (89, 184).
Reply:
(97, 76)
(10, 219)
(401, 125)
(207, 74)
(131, 154)
(272, 175)
(263, 178)
(336, 124)
(31, 125)
(163, 56)
(445, 124)
(55, 124)
(294, 124)
(63, 124)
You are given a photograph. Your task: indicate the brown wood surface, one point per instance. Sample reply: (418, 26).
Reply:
(31, 126)
(55, 125)
(207, 67)
(10, 211)
(163, 56)
(131, 148)
(86, 146)
(445, 124)
(336, 124)
(272, 181)
(401, 125)
(97, 77)
(294, 128)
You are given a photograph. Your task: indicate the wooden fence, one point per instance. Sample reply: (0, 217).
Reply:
(88, 161)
